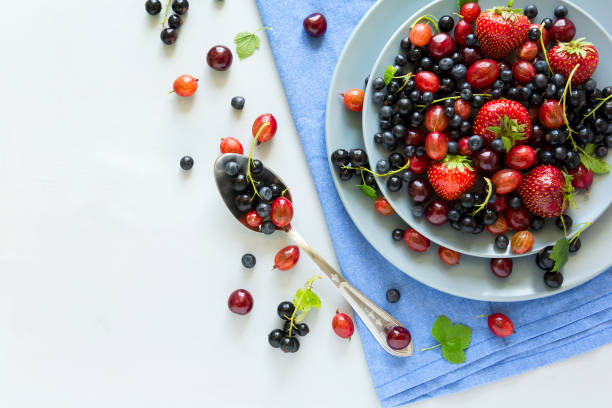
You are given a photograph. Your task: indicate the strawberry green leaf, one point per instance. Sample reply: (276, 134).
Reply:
(568, 190)
(389, 74)
(367, 190)
(454, 355)
(560, 253)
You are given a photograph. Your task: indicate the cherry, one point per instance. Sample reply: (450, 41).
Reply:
(464, 149)
(500, 226)
(414, 136)
(382, 206)
(506, 181)
(470, 12)
(523, 71)
(501, 203)
(268, 132)
(419, 190)
(420, 34)
(448, 256)
(436, 145)
(500, 325)
(435, 119)
(551, 114)
(463, 108)
(353, 99)
(437, 212)
(544, 36)
(487, 161)
(581, 177)
(521, 242)
(286, 258)
(219, 58)
(415, 241)
(427, 81)
(442, 45)
(185, 85)
(281, 212)
(528, 51)
(343, 325)
(518, 219)
(470, 55)
(315, 24)
(253, 219)
(482, 73)
(520, 157)
(462, 29)
(240, 301)
(398, 338)
(501, 267)
(563, 30)
(418, 164)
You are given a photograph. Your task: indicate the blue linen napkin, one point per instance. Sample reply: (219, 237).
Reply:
(547, 329)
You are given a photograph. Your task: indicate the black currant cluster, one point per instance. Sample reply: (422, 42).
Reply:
(169, 34)
(554, 280)
(286, 338)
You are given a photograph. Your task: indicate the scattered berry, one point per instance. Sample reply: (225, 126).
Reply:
(393, 296)
(500, 325)
(448, 256)
(501, 267)
(237, 102)
(240, 302)
(353, 99)
(219, 58)
(315, 25)
(186, 162)
(248, 260)
(286, 258)
(343, 325)
(185, 85)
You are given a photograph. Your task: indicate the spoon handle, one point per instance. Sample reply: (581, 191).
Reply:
(377, 320)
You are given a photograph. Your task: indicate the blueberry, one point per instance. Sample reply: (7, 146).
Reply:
(153, 7)
(417, 210)
(506, 75)
(497, 145)
(477, 101)
(553, 280)
(446, 64)
(466, 94)
(454, 214)
(475, 143)
(458, 71)
(393, 295)
(231, 168)
(453, 147)
(237, 102)
(470, 40)
(378, 83)
(248, 260)
(428, 98)
(601, 151)
(394, 183)
(541, 66)
(530, 11)
(564, 218)
(534, 34)
(558, 80)
(243, 202)
(186, 162)
(397, 234)
(378, 97)
(543, 258)
(537, 223)
(267, 227)
(501, 241)
(383, 166)
(560, 11)
(515, 202)
(263, 209)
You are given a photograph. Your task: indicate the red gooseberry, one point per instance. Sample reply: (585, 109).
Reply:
(353, 99)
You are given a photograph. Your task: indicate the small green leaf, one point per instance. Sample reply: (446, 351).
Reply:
(441, 328)
(590, 148)
(453, 355)
(595, 164)
(367, 190)
(461, 3)
(246, 44)
(507, 143)
(560, 253)
(389, 74)
(309, 300)
(462, 335)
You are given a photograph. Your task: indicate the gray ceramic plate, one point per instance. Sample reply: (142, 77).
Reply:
(589, 209)
(471, 278)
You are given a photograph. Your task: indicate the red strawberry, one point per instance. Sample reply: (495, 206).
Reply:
(501, 29)
(545, 191)
(452, 176)
(503, 118)
(564, 56)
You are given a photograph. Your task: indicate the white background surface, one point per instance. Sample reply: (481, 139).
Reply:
(115, 266)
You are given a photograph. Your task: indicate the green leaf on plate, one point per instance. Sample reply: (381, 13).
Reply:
(367, 190)
(560, 253)
(389, 74)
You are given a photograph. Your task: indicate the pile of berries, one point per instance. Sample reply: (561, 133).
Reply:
(286, 338)
(169, 34)
(483, 98)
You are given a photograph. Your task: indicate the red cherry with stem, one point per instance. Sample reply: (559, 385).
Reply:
(581, 177)
(240, 301)
(415, 241)
(506, 180)
(518, 219)
(418, 164)
(544, 35)
(286, 258)
(520, 157)
(551, 114)
(464, 149)
(437, 212)
(441, 45)
(500, 226)
(398, 338)
(436, 145)
(435, 119)
(353, 99)
(470, 55)
(448, 256)
(219, 58)
(253, 219)
(482, 73)
(500, 325)
(563, 30)
(343, 325)
(266, 133)
(528, 51)
(427, 81)
(470, 12)
(501, 204)
(523, 71)
(462, 30)
(315, 24)
(420, 34)
(501, 267)
(419, 190)
(281, 212)
(382, 206)
(185, 85)
(414, 136)
(487, 161)
(463, 108)
(231, 145)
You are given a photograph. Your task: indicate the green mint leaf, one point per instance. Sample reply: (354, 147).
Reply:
(441, 328)
(389, 74)
(595, 164)
(246, 44)
(462, 335)
(309, 300)
(367, 190)
(453, 355)
(560, 253)
(461, 3)
(590, 148)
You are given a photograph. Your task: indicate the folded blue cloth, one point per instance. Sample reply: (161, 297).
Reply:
(547, 330)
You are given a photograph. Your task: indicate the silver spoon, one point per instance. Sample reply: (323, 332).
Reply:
(377, 320)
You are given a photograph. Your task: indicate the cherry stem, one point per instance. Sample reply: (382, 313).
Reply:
(593, 111)
(163, 23)
(308, 286)
(362, 169)
(479, 207)
(429, 18)
(250, 161)
(431, 348)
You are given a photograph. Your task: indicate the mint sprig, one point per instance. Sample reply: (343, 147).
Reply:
(367, 190)
(560, 251)
(591, 162)
(389, 74)
(247, 43)
(454, 339)
(304, 300)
